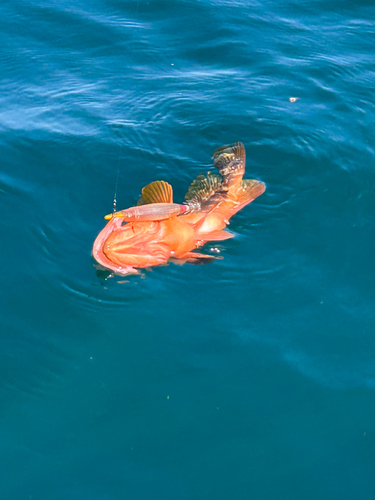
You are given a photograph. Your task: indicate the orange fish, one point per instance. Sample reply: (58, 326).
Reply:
(157, 229)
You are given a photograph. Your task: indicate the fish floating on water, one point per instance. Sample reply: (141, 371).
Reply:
(157, 229)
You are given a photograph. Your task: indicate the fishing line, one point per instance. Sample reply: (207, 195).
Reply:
(115, 194)
(117, 178)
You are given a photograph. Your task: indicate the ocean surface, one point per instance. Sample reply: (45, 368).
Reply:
(252, 377)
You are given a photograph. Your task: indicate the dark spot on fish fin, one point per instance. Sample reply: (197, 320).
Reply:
(230, 160)
(249, 190)
(156, 192)
(203, 188)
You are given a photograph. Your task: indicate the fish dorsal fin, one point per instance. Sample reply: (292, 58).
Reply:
(230, 160)
(203, 188)
(156, 192)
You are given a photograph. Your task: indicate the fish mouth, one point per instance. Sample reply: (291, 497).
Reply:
(97, 249)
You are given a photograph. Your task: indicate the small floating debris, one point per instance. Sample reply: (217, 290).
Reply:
(293, 99)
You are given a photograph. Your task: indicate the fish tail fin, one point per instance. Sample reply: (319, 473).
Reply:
(248, 191)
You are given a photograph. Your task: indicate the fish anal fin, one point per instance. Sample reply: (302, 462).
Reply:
(219, 235)
(156, 192)
(196, 258)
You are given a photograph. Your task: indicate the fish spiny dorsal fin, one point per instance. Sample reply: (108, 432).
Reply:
(156, 192)
(230, 161)
(203, 188)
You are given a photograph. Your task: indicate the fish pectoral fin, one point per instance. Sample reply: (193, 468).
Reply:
(156, 192)
(219, 235)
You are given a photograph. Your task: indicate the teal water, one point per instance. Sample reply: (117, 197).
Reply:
(250, 377)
